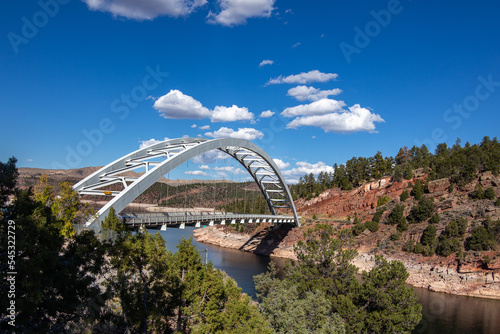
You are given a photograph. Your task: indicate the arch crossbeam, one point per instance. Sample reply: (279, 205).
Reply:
(159, 159)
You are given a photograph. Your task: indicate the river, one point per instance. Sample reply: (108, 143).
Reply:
(442, 313)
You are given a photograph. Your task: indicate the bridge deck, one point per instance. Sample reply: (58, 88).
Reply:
(157, 219)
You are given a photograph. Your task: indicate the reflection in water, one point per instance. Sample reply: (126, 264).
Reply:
(442, 313)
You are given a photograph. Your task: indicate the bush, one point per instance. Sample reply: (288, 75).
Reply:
(478, 192)
(383, 200)
(314, 216)
(429, 236)
(402, 225)
(497, 203)
(428, 251)
(422, 211)
(396, 215)
(448, 246)
(418, 190)
(480, 240)
(404, 196)
(435, 219)
(409, 246)
(451, 187)
(372, 226)
(378, 215)
(396, 236)
(489, 193)
(419, 248)
(358, 228)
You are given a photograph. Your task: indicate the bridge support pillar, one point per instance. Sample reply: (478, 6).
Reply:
(163, 227)
(242, 221)
(223, 222)
(198, 224)
(211, 223)
(233, 221)
(182, 226)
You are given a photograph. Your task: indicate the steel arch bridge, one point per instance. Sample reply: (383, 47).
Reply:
(160, 158)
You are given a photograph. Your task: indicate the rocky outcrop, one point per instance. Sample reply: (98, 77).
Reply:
(467, 281)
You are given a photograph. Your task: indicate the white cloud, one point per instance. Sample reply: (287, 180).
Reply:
(356, 119)
(204, 167)
(145, 9)
(296, 44)
(196, 172)
(235, 12)
(230, 169)
(230, 114)
(29, 160)
(320, 107)
(303, 93)
(205, 127)
(210, 157)
(302, 168)
(304, 78)
(266, 62)
(281, 164)
(266, 114)
(194, 126)
(177, 105)
(242, 133)
(152, 141)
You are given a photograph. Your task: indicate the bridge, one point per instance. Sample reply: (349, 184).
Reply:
(159, 159)
(163, 220)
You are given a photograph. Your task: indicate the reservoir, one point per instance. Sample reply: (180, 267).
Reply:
(442, 313)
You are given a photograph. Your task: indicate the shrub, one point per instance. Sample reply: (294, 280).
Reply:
(402, 225)
(396, 236)
(419, 248)
(429, 236)
(409, 246)
(396, 215)
(489, 193)
(448, 246)
(404, 196)
(481, 239)
(378, 215)
(372, 226)
(478, 192)
(422, 211)
(428, 251)
(358, 228)
(383, 200)
(418, 190)
(314, 216)
(435, 219)
(497, 203)
(451, 187)
(242, 228)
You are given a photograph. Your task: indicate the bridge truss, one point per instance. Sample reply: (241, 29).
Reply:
(159, 159)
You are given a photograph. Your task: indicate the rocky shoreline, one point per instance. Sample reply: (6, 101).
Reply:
(438, 278)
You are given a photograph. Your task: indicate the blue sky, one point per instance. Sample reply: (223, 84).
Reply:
(337, 78)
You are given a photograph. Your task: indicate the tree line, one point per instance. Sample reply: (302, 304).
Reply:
(458, 163)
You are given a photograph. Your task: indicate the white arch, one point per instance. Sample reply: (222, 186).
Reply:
(256, 161)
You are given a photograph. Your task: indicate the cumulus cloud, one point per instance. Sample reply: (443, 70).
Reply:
(304, 78)
(177, 105)
(210, 157)
(303, 93)
(145, 9)
(266, 62)
(204, 167)
(196, 172)
(152, 141)
(230, 169)
(281, 164)
(205, 127)
(242, 133)
(302, 168)
(230, 114)
(266, 114)
(194, 126)
(343, 121)
(320, 107)
(236, 12)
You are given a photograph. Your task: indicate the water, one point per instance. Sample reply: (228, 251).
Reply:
(442, 313)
